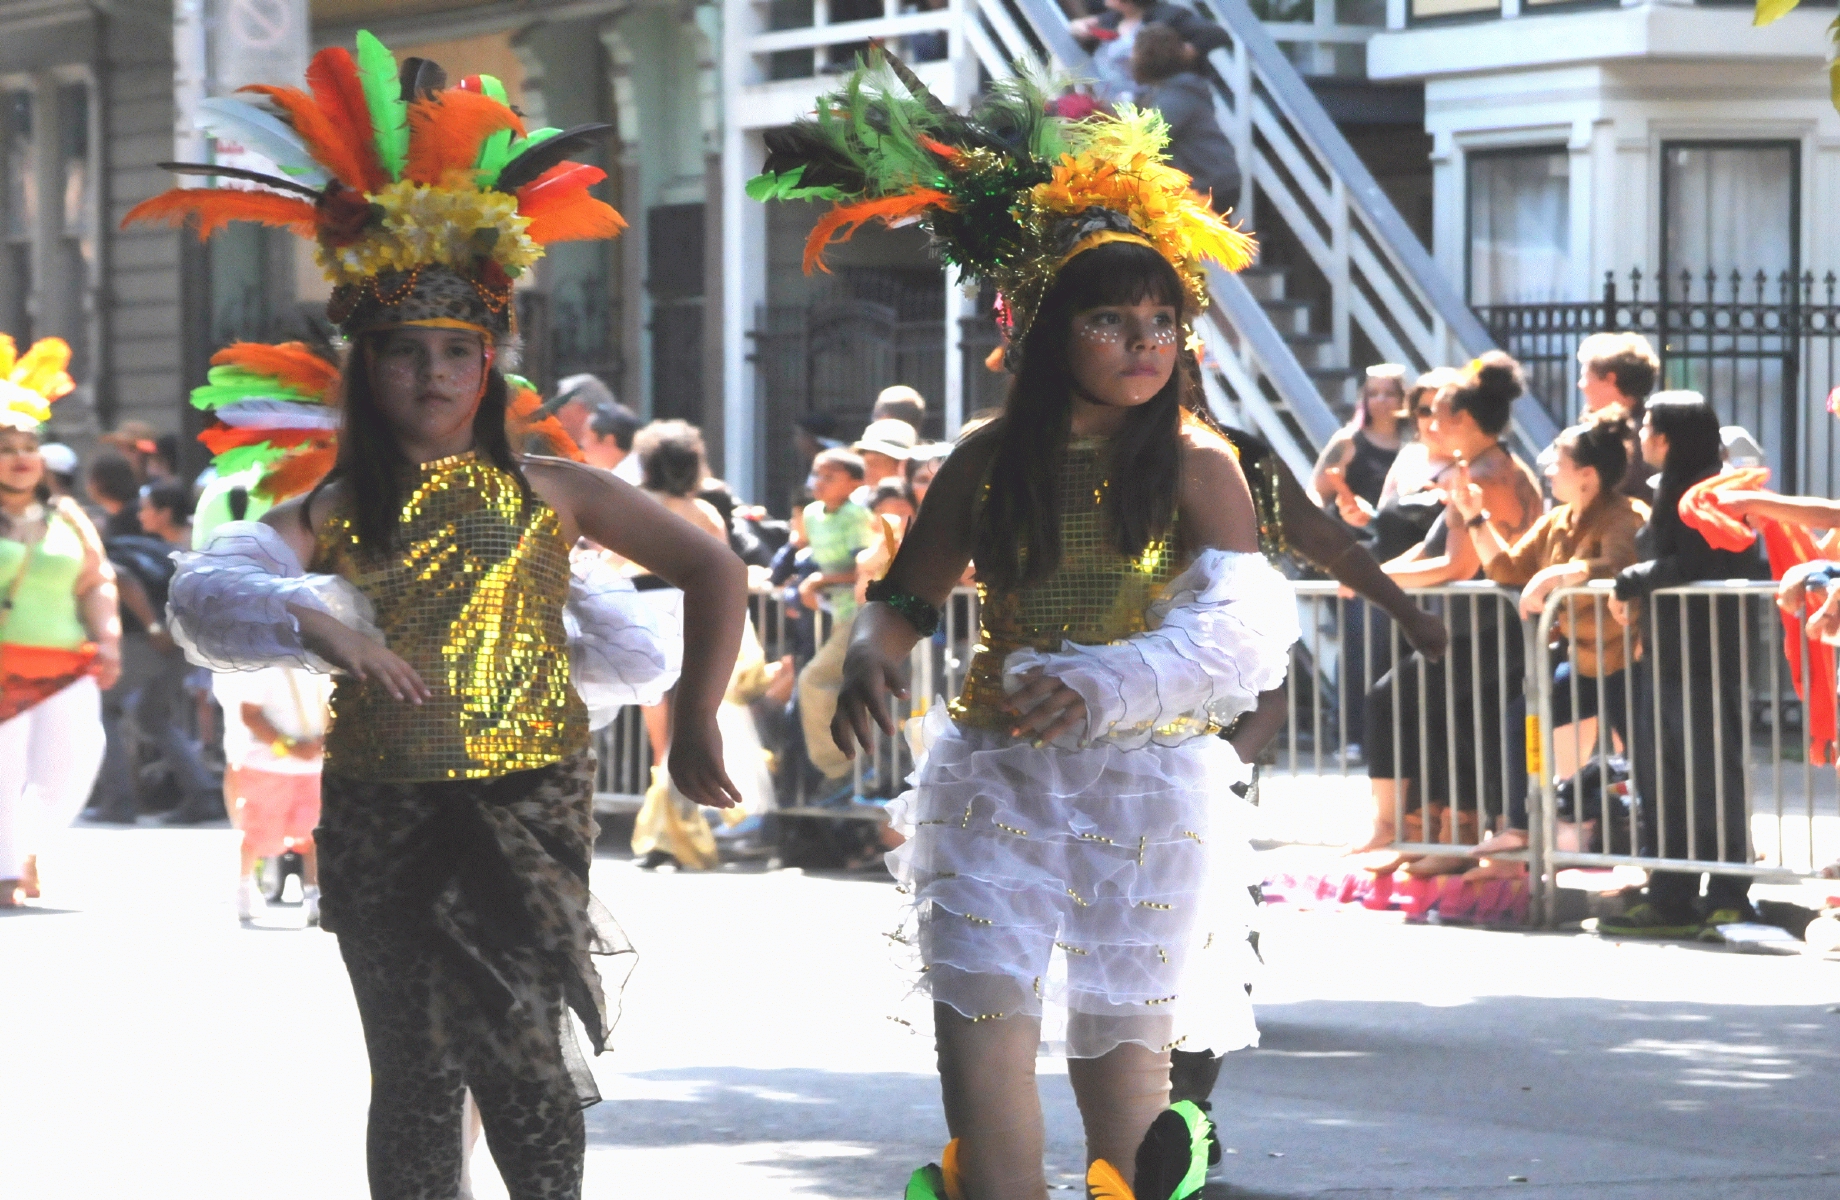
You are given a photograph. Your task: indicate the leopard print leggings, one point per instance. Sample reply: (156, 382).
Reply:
(451, 992)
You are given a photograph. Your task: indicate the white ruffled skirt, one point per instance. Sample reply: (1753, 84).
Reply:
(1103, 890)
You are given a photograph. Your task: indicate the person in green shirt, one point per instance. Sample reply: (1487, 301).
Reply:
(836, 529)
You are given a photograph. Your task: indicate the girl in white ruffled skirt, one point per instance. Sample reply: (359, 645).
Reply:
(1072, 835)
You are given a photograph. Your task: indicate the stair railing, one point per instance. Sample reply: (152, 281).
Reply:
(1382, 281)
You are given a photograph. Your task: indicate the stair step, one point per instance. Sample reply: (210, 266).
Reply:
(1290, 316)
(1333, 382)
(1265, 283)
(1314, 351)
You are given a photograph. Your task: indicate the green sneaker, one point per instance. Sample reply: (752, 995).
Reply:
(1709, 932)
(1172, 1162)
(1645, 920)
(928, 1183)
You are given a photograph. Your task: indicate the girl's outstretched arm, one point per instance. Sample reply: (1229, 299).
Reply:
(929, 564)
(714, 582)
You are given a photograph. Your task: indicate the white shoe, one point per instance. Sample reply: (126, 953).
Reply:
(249, 899)
(309, 901)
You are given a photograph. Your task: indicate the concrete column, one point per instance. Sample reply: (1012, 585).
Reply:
(744, 259)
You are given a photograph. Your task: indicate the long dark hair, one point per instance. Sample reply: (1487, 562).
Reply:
(1019, 534)
(1694, 446)
(371, 469)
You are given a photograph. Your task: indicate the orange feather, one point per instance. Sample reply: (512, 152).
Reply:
(845, 219)
(1105, 1183)
(333, 76)
(576, 219)
(297, 473)
(210, 209)
(948, 1169)
(219, 438)
(445, 131)
(334, 146)
(524, 420)
(291, 363)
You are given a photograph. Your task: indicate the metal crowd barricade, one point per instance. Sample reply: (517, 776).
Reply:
(623, 748)
(1441, 718)
(1733, 788)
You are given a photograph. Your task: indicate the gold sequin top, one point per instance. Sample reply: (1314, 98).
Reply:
(472, 598)
(1097, 596)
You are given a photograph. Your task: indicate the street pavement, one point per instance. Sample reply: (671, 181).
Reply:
(149, 1046)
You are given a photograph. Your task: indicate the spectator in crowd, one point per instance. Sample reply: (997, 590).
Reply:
(836, 530)
(158, 698)
(883, 448)
(673, 468)
(274, 743)
(609, 440)
(1164, 67)
(1684, 645)
(61, 468)
(900, 403)
(892, 500)
(117, 492)
(1359, 455)
(1619, 370)
(923, 462)
(1468, 422)
(59, 598)
(138, 442)
(1350, 473)
(1591, 534)
(1111, 36)
(1409, 498)
(576, 399)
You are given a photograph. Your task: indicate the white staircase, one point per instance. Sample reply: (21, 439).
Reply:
(1272, 360)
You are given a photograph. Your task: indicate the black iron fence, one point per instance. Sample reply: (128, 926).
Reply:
(1765, 351)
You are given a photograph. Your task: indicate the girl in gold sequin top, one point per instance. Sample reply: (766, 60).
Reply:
(1070, 828)
(431, 569)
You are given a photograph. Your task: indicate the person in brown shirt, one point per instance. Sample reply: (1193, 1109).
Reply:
(1591, 534)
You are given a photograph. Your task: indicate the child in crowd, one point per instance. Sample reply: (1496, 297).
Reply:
(274, 740)
(836, 529)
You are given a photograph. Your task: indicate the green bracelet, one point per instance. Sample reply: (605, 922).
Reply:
(915, 611)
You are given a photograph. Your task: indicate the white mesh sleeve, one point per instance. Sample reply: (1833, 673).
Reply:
(625, 646)
(228, 603)
(1220, 636)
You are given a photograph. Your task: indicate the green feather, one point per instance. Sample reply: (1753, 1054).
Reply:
(383, 95)
(516, 382)
(495, 151)
(530, 139)
(239, 458)
(768, 186)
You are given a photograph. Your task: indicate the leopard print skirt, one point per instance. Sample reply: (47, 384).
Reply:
(464, 918)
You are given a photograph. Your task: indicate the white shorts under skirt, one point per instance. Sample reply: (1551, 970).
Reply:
(1103, 890)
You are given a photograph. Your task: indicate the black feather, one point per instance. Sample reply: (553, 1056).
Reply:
(541, 157)
(274, 181)
(825, 166)
(915, 88)
(1163, 1157)
(420, 76)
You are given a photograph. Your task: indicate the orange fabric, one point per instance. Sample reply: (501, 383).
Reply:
(276, 810)
(1788, 546)
(30, 675)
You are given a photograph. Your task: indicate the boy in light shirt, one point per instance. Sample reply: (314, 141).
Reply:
(274, 741)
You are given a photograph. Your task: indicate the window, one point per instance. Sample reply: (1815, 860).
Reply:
(1730, 206)
(21, 217)
(1519, 226)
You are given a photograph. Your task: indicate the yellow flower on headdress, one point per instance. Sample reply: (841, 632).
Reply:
(30, 382)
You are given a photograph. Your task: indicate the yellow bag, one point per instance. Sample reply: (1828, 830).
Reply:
(668, 821)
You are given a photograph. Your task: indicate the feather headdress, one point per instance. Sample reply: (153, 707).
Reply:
(29, 382)
(1009, 192)
(408, 186)
(277, 407)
